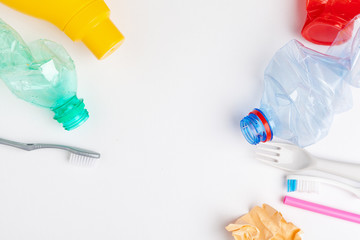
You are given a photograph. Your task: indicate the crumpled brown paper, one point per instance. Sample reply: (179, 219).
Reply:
(263, 223)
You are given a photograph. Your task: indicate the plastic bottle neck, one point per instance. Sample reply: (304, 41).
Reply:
(70, 112)
(256, 128)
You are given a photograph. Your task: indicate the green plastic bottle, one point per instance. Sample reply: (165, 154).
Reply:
(41, 73)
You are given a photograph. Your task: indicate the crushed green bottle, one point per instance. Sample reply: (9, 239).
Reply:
(41, 73)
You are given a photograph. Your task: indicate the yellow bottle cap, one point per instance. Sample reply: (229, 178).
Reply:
(103, 39)
(94, 28)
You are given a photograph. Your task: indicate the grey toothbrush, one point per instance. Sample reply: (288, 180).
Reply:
(78, 156)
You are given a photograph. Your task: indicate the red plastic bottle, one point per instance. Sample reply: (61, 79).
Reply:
(325, 18)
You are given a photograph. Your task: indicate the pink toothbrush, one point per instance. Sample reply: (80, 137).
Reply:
(332, 212)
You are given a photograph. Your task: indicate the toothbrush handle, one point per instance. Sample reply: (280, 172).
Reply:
(354, 190)
(34, 146)
(20, 145)
(342, 169)
(75, 150)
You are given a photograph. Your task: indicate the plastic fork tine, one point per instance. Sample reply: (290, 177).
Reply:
(271, 145)
(269, 163)
(266, 148)
(266, 158)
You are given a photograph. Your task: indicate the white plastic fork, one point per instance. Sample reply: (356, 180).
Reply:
(293, 158)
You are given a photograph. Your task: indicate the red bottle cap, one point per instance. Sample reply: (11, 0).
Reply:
(264, 121)
(325, 19)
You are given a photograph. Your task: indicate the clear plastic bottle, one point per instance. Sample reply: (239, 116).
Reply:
(41, 73)
(304, 89)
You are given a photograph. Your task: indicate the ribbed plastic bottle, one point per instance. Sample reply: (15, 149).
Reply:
(304, 89)
(41, 73)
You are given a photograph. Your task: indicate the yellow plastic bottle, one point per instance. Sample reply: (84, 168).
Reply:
(82, 20)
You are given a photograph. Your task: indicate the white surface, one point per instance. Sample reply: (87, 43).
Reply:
(165, 110)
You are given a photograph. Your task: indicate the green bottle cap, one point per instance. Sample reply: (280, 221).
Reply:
(70, 112)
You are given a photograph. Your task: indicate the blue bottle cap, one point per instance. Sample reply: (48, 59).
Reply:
(255, 127)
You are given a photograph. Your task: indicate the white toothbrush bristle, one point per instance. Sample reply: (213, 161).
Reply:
(307, 186)
(82, 161)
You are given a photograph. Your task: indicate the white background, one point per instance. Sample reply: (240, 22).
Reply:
(165, 111)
